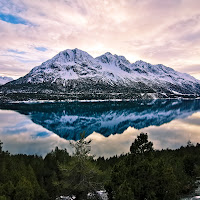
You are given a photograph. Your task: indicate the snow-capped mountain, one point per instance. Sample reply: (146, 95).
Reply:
(107, 76)
(4, 80)
(68, 120)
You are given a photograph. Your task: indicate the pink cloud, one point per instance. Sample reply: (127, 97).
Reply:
(156, 31)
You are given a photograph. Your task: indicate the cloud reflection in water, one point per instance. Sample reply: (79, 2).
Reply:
(20, 135)
(170, 135)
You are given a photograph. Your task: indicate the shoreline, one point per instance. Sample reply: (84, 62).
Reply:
(93, 100)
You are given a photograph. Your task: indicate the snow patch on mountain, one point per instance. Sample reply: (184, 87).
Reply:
(74, 64)
(75, 70)
(4, 80)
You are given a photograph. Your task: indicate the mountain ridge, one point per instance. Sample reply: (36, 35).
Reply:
(5, 79)
(75, 71)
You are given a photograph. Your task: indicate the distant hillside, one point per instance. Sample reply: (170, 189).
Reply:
(4, 80)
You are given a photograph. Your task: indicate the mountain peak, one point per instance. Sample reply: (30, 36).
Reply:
(74, 70)
(109, 58)
(69, 56)
(78, 51)
(108, 54)
(140, 62)
(74, 52)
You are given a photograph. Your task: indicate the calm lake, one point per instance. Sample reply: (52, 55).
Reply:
(38, 128)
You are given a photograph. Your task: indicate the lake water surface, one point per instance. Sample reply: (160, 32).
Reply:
(38, 128)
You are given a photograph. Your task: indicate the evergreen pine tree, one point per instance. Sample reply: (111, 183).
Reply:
(81, 176)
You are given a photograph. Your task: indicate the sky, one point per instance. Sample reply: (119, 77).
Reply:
(159, 32)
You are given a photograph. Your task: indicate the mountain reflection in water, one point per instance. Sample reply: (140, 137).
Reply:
(68, 120)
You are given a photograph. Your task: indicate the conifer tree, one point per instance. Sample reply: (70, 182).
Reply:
(24, 190)
(81, 176)
(141, 145)
(1, 143)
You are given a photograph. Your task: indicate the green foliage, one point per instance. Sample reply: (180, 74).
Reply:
(1, 143)
(18, 178)
(81, 176)
(142, 174)
(146, 174)
(9, 189)
(189, 165)
(24, 190)
(3, 197)
(141, 145)
(51, 175)
(167, 183)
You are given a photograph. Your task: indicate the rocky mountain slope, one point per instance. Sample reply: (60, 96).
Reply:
(74, 74)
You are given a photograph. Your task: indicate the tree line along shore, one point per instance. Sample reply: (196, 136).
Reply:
(143, 173)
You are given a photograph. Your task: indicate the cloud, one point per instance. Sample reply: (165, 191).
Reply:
(156, 31)
(16, 51)
(41, 48)
(12, 7)
(22, 136)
